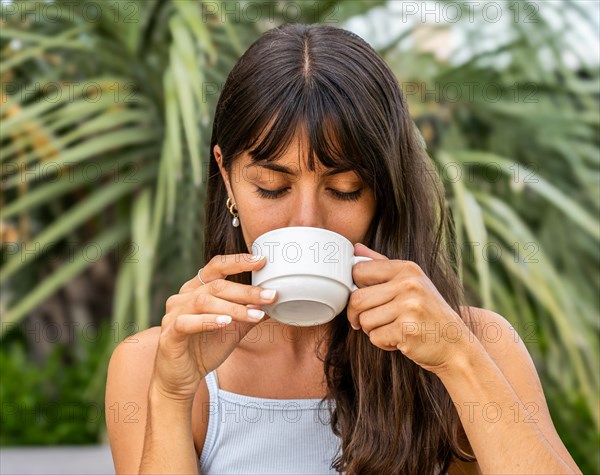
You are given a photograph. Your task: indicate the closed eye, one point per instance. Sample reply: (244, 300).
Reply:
(273, 194)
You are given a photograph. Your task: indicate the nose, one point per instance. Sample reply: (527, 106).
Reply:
(307, 211)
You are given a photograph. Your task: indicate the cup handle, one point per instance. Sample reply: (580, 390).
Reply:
(355, 260)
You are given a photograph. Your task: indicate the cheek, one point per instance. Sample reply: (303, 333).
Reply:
(260, 216)
(261, 210)
(362, 211)
(353, 223)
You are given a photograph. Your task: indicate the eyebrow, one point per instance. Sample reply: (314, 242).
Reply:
(283, 169)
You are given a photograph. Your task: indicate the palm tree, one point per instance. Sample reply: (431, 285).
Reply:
(106, 111)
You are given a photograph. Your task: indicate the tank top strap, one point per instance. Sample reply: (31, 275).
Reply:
(212, 382)
(213, 415)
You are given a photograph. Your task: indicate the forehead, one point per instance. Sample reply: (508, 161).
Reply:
(295, 166)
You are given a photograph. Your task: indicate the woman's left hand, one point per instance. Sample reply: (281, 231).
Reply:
(399, 308)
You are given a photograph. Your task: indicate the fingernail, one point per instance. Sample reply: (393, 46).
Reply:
(256, 258)
(267, 294)
(223, 319)
(255, 314)
(356, 328)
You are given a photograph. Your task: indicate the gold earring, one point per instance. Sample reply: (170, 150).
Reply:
(235, 221)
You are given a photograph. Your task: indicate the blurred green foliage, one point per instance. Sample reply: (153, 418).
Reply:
(44, 404)
(575, 426)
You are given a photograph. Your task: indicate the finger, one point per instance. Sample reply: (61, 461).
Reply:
(386, 337)
(362, 300)
(222, 296)
(238, 293)
(190, 323)
(221, 266)
(380, 337)
(378, 317)
(368, 273)
(234, 303)
(362, 250)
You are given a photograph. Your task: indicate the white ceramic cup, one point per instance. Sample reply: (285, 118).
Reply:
(311, 269)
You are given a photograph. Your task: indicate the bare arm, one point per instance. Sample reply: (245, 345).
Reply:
(494, 388)
(168, 441)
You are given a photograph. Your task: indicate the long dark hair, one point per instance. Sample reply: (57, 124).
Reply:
(393, 417)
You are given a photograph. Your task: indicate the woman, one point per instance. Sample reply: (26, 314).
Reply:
(312, 129)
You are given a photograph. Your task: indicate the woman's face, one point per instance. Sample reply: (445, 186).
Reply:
(339, 202)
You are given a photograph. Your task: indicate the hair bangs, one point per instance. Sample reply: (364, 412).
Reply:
(320, 124)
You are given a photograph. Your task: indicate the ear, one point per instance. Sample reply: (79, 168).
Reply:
(219, 159)
(218, 156)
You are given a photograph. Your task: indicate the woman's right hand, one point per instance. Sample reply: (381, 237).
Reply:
(191, 342)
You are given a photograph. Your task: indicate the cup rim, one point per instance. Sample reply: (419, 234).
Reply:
(337, 235)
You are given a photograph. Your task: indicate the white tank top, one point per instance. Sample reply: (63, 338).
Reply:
(251, 435)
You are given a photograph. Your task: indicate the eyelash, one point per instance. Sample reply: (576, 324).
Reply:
(273, 194)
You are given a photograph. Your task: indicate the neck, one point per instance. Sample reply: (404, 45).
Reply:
(288, 341)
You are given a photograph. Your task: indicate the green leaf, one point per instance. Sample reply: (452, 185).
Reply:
(472, 220)
(571, 209)
(106, 241)
(77, 215)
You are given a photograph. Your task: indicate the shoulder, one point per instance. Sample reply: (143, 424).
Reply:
(507, 349)
(490, 327)
(138, 345)
(133, 359)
